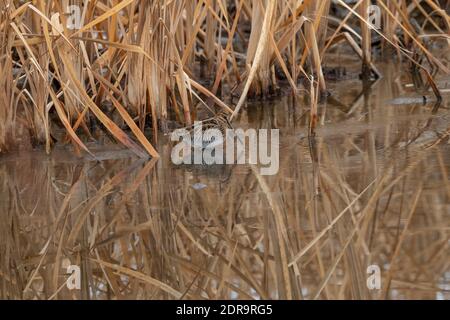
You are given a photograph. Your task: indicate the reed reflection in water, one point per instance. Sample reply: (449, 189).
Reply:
(371, 189)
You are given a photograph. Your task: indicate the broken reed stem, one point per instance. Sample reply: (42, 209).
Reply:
(314, 97)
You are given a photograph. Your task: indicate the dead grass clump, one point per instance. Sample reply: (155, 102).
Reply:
(133, 65)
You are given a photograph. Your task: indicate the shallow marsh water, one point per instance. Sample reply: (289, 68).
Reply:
(372, 188)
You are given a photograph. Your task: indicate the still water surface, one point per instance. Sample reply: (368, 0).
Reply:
(371, 190)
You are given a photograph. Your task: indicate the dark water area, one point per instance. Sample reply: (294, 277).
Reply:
(370, 192)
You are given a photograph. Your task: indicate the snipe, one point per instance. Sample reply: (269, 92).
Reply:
(202, 135)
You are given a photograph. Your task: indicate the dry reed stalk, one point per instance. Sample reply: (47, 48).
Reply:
(315, 32)
(366, 34)
(212, 37)
(262, 84)
(314, 97)
(7, 93)
(262, 44)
